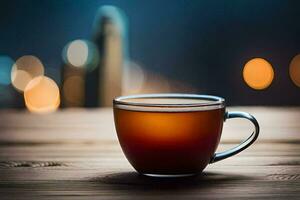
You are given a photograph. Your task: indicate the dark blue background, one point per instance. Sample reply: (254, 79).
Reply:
(203, 43)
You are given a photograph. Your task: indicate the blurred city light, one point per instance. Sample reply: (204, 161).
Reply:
(82, 54)
(6, 64)
(133, 79)
(151, 82)
(137, 80)
(77, 53)
(294, 70)
(41, 95)
(24, 70)
(73, 91)
(258, 73)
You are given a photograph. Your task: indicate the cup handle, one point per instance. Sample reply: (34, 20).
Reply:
(243, 145)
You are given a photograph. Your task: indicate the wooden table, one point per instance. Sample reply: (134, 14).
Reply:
(74, 154)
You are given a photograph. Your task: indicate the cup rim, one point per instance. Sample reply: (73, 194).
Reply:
(212, 100)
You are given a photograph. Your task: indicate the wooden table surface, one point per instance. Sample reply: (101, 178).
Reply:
(74, 154)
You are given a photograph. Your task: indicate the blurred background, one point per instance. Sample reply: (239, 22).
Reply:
(75, 53)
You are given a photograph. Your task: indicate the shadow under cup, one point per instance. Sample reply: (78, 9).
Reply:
(169, 135)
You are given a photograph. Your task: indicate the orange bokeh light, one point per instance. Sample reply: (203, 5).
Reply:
(24, 70)
(294, 70)
(258, 73)
(41, 95)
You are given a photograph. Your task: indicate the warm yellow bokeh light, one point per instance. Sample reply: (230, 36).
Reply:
(24, 70)
(295, 70)
(77, 53)
(73, 91)
(41, 95)
(258, 73)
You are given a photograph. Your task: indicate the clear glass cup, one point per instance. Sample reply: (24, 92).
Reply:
(174, 135)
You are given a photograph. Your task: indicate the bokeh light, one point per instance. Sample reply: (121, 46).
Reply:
(133, 79)
(24, 70)
(136, 80)
(6, 64)
(77, 53)
(82, 54)
(294, 70)
(73, 91)
(41, 95)
(258, 73)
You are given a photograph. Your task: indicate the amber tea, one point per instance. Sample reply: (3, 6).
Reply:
(169, 135)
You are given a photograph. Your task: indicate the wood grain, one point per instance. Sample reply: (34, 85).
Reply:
(74, 154)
